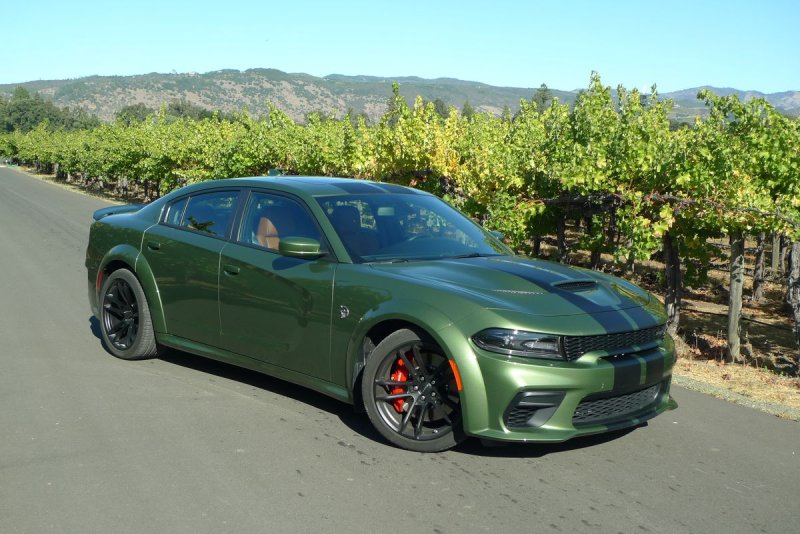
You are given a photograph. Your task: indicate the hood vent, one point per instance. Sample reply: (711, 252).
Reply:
(576, 285)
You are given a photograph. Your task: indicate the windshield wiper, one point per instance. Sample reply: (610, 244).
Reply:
(471, 255)
(393, 260)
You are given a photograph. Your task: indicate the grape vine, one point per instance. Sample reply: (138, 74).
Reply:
(611, 164)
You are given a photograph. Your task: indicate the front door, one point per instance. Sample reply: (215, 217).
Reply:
(275, 308)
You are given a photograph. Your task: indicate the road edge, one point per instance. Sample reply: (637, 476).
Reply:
(778, 410)
(50, 179)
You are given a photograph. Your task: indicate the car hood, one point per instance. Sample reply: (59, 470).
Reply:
(530, 286)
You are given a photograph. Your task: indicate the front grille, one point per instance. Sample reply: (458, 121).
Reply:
(591, 412)
(577, 346)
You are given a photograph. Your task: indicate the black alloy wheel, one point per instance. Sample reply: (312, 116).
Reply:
(410, 394)
(121, 314)
(125, 318)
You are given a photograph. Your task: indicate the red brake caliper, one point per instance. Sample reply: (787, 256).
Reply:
(400, 375)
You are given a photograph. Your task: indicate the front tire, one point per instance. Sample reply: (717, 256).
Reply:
(125, 323)
(410, 393)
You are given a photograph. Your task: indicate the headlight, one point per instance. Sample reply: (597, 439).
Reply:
(520, 343)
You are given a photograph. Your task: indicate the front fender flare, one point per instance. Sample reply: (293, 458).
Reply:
(441, 328)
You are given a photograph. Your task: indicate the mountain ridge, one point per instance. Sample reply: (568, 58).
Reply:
(298, 94)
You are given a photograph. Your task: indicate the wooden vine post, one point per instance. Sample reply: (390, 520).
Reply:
(735, 296)
(672, 296)
(793, 291)
(758, 271)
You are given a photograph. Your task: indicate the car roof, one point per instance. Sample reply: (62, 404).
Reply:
(317, 186)
(302, 186)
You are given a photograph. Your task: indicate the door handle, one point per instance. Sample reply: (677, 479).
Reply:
(153, 245)
(231, 269)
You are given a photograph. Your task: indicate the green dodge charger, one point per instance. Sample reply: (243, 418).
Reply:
(384, 297)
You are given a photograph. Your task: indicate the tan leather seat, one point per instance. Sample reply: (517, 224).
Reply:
(267, 234)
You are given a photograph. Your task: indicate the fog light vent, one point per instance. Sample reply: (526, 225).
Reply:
(531, 409)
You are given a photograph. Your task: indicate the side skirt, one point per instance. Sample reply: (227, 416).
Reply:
(220, 355)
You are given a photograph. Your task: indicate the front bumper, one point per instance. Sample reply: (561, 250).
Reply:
(515, 399)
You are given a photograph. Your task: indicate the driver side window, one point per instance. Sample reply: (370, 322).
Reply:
(269, 218)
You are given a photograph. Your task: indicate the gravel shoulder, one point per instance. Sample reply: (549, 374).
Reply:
(779, 410)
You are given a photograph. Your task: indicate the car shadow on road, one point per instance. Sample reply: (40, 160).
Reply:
(94, 326)
(499, 449)
(358, 422)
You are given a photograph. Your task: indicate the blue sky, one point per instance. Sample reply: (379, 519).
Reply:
(751, 45)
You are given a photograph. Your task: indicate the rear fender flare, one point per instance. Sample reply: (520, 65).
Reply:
(132, 257)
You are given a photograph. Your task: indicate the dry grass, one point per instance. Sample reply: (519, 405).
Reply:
(757, 384)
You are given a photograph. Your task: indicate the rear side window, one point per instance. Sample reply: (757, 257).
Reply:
(210, 213)
(175, 212)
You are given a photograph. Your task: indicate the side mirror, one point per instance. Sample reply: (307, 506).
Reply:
(300, 247)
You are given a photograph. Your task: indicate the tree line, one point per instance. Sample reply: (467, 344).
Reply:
(607, 175)
(23, 111)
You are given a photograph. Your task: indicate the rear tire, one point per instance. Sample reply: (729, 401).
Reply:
(410, 394)
(125, 323)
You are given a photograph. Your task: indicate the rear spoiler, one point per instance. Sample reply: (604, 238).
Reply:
(114, 210)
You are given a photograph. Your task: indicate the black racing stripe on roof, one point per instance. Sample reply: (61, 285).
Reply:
(392, 188)
(357, 188)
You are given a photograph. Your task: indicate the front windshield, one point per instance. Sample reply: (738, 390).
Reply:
(406, 227)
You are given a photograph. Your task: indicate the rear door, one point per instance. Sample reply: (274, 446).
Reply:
(275, 308)
(183, 253)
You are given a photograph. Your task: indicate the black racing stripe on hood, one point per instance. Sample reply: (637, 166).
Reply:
(639, 316)
(545, 278)
(529, 272)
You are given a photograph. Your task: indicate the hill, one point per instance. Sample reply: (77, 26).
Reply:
(687, 105)
(298, 93)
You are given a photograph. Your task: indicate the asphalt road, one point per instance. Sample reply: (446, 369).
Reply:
(89, 443)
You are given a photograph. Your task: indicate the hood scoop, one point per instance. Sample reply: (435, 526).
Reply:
(576, 285)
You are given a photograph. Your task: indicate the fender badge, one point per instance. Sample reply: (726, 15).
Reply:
(344, 311)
